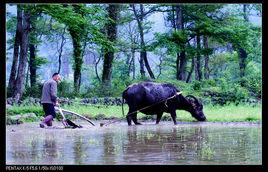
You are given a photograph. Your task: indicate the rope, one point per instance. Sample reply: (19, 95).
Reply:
(178, 93)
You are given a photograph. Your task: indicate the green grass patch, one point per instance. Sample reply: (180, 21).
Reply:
(228, 113)
(16, 110)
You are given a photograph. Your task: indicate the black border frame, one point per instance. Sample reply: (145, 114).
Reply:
(128, 167)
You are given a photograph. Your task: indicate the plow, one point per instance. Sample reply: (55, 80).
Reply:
(68, 123)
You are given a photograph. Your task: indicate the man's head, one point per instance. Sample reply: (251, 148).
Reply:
(56, 77)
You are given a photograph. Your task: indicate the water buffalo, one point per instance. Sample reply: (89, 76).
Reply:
(155, 98)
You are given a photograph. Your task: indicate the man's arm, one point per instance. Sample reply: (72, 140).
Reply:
(53, 92)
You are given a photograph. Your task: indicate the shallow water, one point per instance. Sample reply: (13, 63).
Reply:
(148, 144)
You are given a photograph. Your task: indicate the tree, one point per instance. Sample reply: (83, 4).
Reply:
(111, 27)
(241, 51)
(60, 47)
(181, 56)
(17, 43)
(206, 66)
(32, 48)
(198, 71)
(81, 24)
(143, 52)
(20, 79)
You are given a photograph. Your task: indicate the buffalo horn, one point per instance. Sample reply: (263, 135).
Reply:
(191, 96)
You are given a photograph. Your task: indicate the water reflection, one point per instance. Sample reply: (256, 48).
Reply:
(109, 148)
(162, 146)
(147, 144)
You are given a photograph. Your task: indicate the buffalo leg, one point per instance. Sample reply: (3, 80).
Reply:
(134, 118)
(173, 116)
(131, 113)
(158, 118)
(129, 120)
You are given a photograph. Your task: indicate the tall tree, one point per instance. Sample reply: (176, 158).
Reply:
(181, 56)
(111, 28)
(206, 65)
(198, 68)
(77, 33)
(60, 47)
(20, 79)
(241, 51)
(32, 49)
(143, 52)
(17, 43)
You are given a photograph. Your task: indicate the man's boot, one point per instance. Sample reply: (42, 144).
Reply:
(48, 121)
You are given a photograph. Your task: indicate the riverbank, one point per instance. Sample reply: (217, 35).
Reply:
(228, 113)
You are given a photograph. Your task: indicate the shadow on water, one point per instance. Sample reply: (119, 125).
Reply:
(147, 144)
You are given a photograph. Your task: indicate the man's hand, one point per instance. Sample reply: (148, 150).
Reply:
(57, 103)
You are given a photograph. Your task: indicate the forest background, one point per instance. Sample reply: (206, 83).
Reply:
(212, 51)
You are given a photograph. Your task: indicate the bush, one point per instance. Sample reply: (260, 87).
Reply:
(65, 89)
(240, 93)
(35, 91)
(253, 84)
(196, 85)
(15, 110)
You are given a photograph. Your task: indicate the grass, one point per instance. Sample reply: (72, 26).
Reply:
(228, 113)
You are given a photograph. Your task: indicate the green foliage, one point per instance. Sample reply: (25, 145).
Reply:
(65, 89)
(38, 110)
(34, 91)
(196, 85)
(253, 79)
(39, 61)
(225, 92)
(85, 23)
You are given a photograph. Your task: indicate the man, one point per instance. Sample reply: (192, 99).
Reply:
(49, 99)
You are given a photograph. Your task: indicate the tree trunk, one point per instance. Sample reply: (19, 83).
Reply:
(13, 72)
(23, 55)
(206, 67)
(32, 48)
(133, 62)
(27, 76)
(111, 27)
(107, 69)
(181, 56)
(160, 65)
(242, 61)
(173, 19)
(96, 67)
(78, 60)
(142, 71)
(61, 48)
(198, 72)
(143, 53)
(191, 71)
(242, 52)
(77, 33)
(149, 70)
(245, 14)
(32, 65)
(182, 66)
(128, 64)
(178, 66)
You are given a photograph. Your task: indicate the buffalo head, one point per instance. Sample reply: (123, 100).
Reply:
(196, 108)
